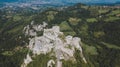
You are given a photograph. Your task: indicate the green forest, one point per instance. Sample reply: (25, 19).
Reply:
(97, 26)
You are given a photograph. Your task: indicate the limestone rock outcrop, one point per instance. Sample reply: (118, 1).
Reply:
(53, 40)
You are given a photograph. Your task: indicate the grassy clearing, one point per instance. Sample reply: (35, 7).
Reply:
(110, 45)
(91, 50)
(103, 11)
(91, 20)
(16, 18)
(65, 27)
(111, 19)
(74, 21)
(115, 12)
(16, 29)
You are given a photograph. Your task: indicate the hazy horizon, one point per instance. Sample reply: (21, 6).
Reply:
(67, 1)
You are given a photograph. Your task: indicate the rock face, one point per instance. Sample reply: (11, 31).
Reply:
(62, 47)
(27, 60)
(50, 63)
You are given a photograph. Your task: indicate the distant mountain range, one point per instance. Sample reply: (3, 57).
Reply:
(65, 2)
(102, 4)
(1, 1)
